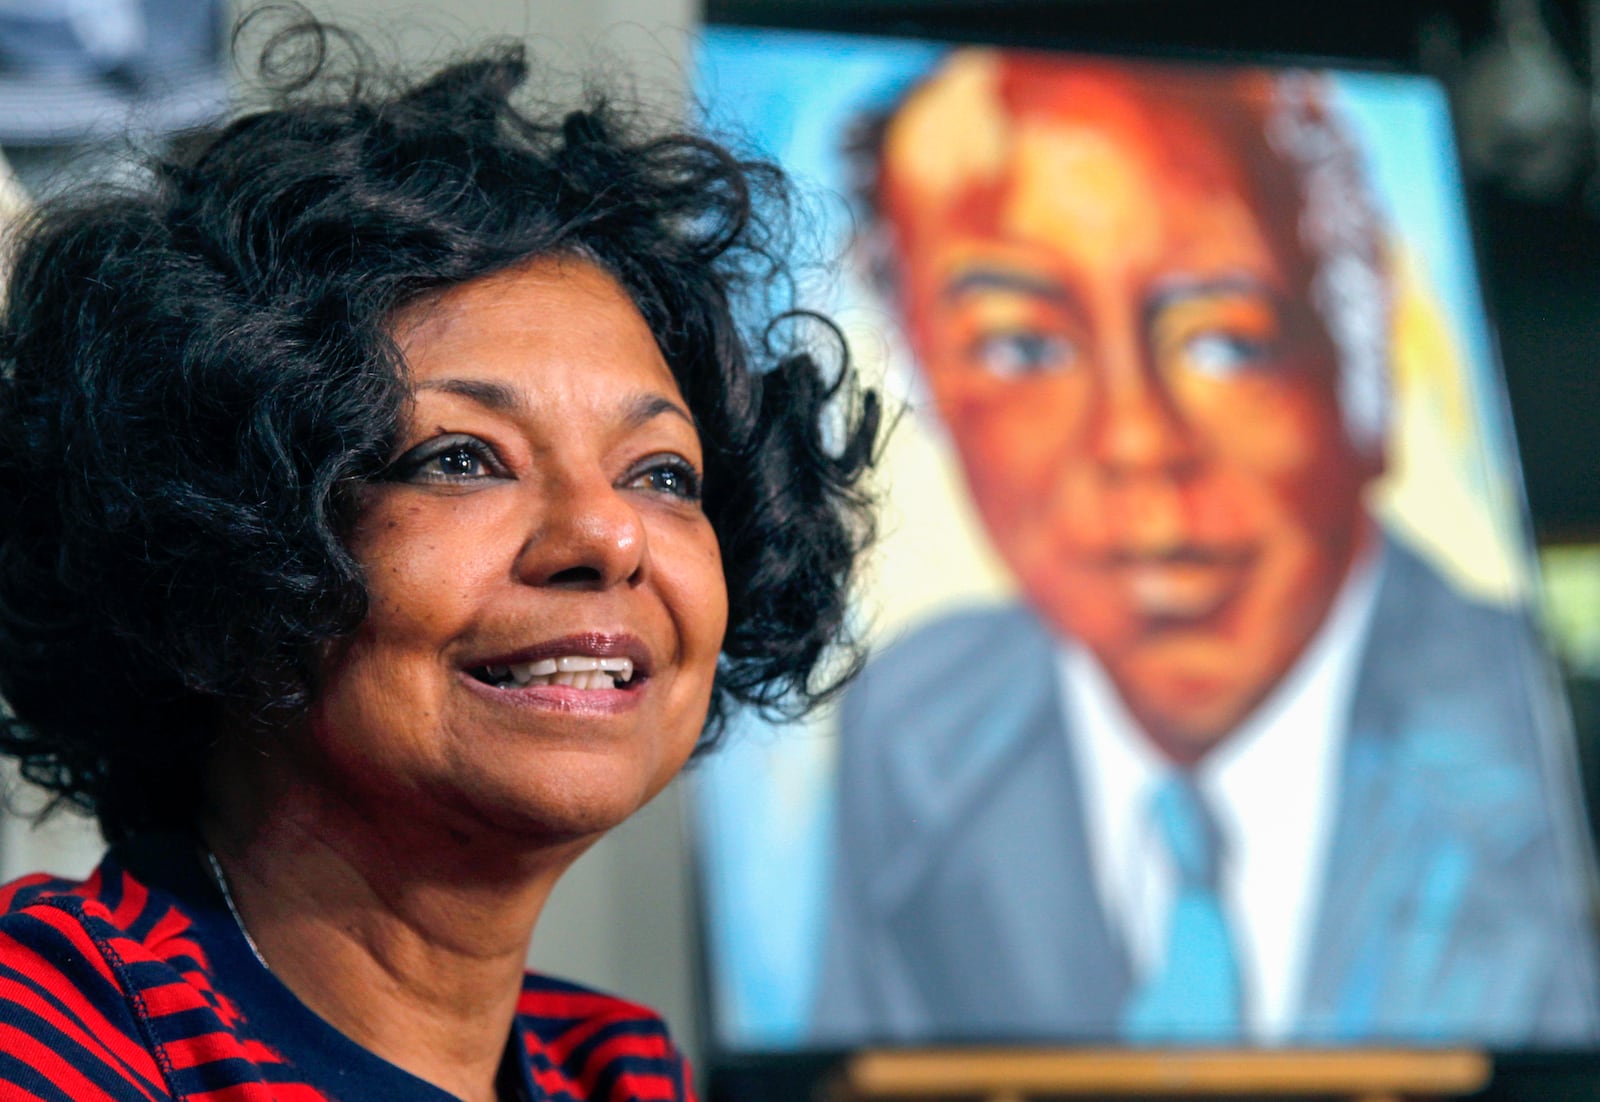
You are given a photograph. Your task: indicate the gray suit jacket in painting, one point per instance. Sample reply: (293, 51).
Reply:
(1455, 900)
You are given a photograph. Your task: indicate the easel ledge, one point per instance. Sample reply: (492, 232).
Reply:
(1023, 1074)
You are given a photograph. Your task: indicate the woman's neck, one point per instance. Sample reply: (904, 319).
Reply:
(407, 937)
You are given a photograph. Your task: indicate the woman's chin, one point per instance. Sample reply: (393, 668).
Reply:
(574, 797)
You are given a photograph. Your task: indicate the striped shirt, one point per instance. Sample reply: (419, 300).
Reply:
(137, 985)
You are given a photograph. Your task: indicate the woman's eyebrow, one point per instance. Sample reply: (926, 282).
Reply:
(647, 407)
(503, 398)
(496, 396)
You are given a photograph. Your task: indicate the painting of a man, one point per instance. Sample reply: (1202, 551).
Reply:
(1241, 765)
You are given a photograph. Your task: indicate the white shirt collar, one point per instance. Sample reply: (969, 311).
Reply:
(1271, 787)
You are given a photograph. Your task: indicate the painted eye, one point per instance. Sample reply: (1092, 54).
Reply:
(1015, 353)
(1222, 355)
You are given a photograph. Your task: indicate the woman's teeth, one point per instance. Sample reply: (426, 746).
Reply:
(575, 670)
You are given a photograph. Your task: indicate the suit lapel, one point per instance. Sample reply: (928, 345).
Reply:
(1029, 926)
(1428, 813)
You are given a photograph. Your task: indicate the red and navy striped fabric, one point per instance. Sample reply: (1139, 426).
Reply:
(124, 988)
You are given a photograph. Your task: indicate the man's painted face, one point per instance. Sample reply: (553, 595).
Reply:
(1144, 403)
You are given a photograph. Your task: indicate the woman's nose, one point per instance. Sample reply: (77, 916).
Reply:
(588, 535)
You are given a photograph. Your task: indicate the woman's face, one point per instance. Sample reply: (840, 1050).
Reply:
(542, 513)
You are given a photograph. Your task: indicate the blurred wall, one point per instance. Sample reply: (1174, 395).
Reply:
(642, 43)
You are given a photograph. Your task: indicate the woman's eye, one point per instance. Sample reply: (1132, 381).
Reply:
(456, 463)
(1014, 353)
(447, 459)
(675, 478)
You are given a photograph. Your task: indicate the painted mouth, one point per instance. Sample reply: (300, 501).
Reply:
(1182, 587)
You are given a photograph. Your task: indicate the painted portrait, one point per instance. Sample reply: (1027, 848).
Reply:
(1207, 705)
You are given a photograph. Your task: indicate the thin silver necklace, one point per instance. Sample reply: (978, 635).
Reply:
(515, 1089)
(227, 897)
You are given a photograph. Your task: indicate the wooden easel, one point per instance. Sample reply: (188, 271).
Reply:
(1033, 1075)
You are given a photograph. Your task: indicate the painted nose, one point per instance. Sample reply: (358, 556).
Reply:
(1136, 428)
(588, 536)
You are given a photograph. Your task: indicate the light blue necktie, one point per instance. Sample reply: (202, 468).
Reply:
(1195, 995)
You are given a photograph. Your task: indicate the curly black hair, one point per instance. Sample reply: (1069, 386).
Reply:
(196, 374)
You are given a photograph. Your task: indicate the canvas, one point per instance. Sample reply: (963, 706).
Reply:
(1206, 705)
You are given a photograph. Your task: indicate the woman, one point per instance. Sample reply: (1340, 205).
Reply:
(390, 494)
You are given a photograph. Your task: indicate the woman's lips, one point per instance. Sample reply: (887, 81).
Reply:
(592, 671)
(560, 698)
(577, 671)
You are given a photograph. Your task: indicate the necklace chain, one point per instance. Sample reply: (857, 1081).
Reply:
(238, 920)
(510, 1090)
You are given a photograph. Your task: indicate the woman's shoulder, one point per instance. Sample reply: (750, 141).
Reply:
(584, 1043)
(125, 920)
(110, 915)
(104, 991)
(56, 938)
(77, 958)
